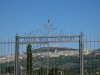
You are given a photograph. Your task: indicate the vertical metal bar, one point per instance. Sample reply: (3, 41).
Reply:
(94, 48)
(81, 54)
(48, 60)
(0, 54)
(16, 53)
(98, 56)
(85, 60)
(90, 50)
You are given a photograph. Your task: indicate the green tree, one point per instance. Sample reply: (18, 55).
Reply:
(29, 59)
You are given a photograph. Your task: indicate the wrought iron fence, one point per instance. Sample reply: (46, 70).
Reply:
(53, 58)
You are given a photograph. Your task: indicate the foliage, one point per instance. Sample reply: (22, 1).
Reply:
(29, 59)
(69, 65)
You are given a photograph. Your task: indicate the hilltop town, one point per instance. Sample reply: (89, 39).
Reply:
(43, 52)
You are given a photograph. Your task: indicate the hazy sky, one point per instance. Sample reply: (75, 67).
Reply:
(71, 16)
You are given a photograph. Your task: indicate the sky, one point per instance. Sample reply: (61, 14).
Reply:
(70, 16)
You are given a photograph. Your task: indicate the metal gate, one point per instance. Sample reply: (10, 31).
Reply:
(47, 40)
(62, 55)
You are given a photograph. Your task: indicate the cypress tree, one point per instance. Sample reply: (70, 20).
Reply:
(29, 59)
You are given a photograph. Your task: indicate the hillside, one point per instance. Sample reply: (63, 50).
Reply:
(52, 49)
(68, 64)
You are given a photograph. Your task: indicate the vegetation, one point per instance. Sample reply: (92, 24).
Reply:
(29, 59)
(62, 65)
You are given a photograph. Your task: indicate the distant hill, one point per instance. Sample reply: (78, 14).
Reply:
(96, 52)
(69, 64)
(52, 49)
